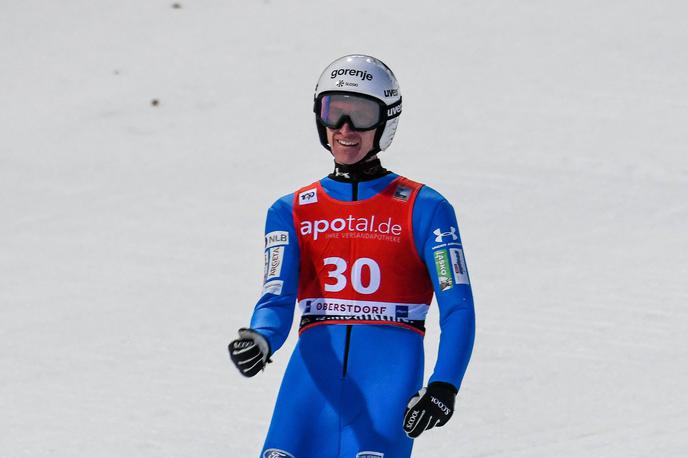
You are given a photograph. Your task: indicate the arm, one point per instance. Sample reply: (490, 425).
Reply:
(274, 311)
(273, 314)
(453, 293)
(437, 238)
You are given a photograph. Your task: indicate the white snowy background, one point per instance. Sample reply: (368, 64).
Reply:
(131, 234)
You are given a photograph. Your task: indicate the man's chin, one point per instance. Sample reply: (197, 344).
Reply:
(347, 157)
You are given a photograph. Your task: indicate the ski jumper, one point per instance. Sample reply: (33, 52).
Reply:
(363, 272)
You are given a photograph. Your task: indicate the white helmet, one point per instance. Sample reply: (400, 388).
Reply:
(366, 76)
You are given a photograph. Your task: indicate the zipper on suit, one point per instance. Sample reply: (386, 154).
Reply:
(347, 342)
(346, 349)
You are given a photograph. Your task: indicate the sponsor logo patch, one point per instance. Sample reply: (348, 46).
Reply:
(458, 263)
(275, 453)
(402, 193)
(351, 227)
(309, 196)
(273, 287)
(391, 92)
(450, 233)
(444, 275)
(276, 238)
(363, 74)
(274, 259)
(391, 112)
(370, 455)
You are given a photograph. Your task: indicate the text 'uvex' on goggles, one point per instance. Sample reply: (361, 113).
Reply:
(360, 111)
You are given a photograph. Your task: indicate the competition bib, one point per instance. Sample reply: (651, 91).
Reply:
(359, 263)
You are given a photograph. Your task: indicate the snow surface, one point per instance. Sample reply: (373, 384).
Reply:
(131, 234)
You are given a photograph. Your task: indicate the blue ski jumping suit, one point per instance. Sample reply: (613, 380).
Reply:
(341, 397)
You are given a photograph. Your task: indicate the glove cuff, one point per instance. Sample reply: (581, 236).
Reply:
(444, 386)
(259, 339)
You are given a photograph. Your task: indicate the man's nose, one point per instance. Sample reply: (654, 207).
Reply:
(346, 127)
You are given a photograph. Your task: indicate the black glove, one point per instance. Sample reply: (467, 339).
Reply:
(250, 352)
(430, 407)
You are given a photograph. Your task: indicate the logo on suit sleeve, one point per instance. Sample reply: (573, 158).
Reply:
(275, 243)
(444, 274)
(458, 262)
(370, 455)
(273, 262)
(273, 287)
(450, 233)
(309, 196)
(274, 453)
(276, 238)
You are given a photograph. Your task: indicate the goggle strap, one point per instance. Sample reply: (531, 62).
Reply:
(394, 109)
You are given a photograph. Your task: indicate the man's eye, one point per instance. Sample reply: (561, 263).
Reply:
(363, 116)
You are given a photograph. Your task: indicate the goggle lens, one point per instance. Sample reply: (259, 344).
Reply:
(362, 113)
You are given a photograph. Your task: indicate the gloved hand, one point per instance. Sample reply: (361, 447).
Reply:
(250, 352)
(432, 406)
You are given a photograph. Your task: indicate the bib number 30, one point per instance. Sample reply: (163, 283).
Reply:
(340, 267)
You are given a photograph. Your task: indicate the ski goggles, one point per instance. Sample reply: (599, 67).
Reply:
(361, 112)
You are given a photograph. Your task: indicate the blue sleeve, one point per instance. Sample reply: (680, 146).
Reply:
(436, 233)
(274, 312)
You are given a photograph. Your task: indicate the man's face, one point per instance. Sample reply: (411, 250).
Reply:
(349, 146)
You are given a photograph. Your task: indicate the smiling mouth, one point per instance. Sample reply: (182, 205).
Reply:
(347, 143)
